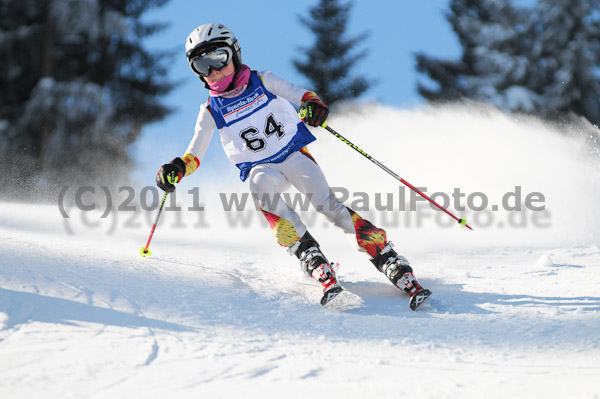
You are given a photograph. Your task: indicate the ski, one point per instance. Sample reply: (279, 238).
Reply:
(418, 298)
(330, 294)
(339, 299)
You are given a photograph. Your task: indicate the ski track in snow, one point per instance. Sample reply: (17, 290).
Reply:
(225, 313)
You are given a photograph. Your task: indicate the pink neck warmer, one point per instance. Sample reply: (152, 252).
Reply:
(242, 79)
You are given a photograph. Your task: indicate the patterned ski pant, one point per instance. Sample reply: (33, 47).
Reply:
(268, 181)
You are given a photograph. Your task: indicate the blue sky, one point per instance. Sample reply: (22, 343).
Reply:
(271, 36)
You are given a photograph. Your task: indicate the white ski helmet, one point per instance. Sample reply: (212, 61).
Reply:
(212, 36)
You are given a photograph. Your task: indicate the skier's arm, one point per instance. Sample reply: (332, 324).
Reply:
(316, 110)
(282, 88)
(205, 126)
(178, 168)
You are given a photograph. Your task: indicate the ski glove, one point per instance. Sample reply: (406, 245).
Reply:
(169, 174)
(313, 110)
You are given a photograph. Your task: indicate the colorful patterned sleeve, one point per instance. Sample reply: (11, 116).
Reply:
(191, 163)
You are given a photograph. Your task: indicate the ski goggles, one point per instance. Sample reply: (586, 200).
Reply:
(208, 61)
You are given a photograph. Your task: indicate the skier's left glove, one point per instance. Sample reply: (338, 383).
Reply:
(169, 174)
(314, 109)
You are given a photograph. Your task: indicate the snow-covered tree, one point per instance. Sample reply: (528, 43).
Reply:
(493, 66)
(565, 57)
(77, 86)
(541, 59)
(328, 63)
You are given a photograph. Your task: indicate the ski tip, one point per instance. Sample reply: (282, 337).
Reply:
(417, 299)
(330, 294)
(344, 301)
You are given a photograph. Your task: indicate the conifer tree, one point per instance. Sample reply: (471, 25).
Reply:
(329, 62)
(492, 62)
(565, 57)
(77, 86)
(542, 59)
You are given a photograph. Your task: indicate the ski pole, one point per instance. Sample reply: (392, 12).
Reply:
(145, 251)
(462, 221)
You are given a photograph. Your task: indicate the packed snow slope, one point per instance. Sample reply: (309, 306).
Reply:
(221, 311)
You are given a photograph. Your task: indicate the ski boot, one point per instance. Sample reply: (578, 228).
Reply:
(314, 263)
(397, 269)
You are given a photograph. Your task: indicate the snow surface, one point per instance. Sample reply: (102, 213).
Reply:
(220, 310)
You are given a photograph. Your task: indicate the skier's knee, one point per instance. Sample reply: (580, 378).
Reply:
(262, 182)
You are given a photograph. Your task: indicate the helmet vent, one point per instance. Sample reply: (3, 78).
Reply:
(209, 31)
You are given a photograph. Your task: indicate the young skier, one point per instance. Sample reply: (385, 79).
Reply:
(265, 138)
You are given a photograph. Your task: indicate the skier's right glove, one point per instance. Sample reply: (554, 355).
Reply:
(313, 109)
(169, 174)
